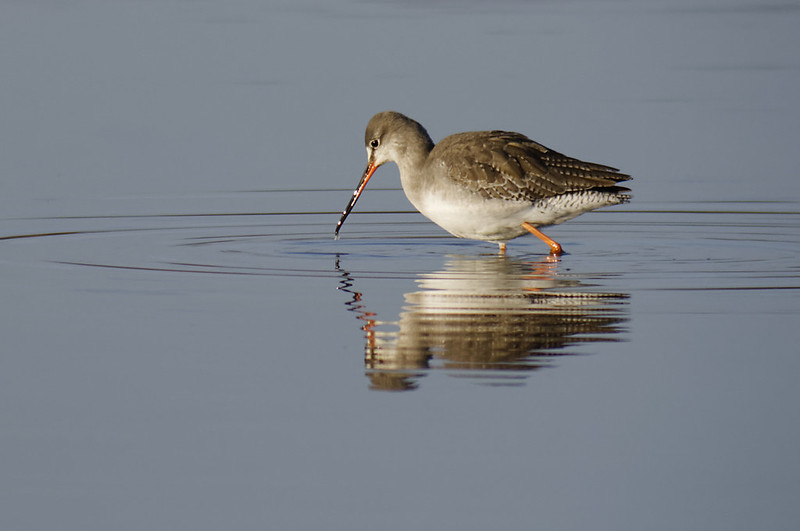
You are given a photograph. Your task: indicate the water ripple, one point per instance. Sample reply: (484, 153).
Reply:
(747, 245)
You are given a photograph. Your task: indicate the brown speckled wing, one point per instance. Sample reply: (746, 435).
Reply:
(510, 166)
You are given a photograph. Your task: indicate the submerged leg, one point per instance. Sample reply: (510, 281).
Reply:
(502, 248)
(555, 247)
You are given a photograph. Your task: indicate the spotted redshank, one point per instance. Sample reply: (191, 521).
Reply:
(487, 185)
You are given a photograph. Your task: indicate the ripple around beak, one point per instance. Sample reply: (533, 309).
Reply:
(356, 194)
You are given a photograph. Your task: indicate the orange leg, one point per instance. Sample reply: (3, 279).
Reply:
(555, 247)
(502, 248)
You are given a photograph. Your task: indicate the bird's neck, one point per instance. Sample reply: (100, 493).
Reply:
(412, 159)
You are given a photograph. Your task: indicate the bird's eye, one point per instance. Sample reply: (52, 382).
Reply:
(374, 143)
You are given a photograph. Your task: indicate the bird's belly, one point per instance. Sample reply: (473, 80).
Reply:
(498, 220)
(489, 220)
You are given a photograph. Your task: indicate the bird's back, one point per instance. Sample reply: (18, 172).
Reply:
(511, 166)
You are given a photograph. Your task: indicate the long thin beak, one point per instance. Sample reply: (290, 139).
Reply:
(356, 194)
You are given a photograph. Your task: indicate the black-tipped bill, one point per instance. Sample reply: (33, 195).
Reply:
(356, 194)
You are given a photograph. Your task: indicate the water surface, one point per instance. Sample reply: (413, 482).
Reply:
(185, 345)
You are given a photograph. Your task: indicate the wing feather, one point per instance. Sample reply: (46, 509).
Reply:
(510, 166)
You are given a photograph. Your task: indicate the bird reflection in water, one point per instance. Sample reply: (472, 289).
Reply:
(488, 317)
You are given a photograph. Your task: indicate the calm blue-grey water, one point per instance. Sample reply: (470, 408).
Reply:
(185, 346)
